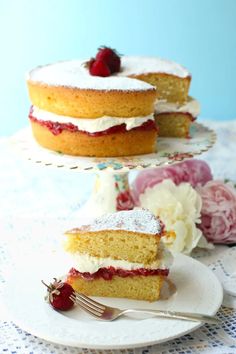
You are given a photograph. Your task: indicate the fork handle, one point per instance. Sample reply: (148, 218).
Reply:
(198, 317)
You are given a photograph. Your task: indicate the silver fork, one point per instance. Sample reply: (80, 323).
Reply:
(107, 313)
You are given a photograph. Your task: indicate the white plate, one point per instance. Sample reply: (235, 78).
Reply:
(198, 290)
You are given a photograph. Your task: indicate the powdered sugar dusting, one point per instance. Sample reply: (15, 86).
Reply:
(138, 220)
(74, 74)
(144, 65)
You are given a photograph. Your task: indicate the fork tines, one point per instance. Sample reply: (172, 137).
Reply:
(88, 305)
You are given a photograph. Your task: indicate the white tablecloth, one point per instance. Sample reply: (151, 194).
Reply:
(32, 196)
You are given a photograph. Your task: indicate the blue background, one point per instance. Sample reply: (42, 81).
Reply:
(200, 34)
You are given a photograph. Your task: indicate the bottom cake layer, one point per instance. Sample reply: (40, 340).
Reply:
(174, 124)
(134, 287)
(132, 142)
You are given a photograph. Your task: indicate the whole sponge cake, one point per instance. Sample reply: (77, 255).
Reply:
(90, 115)
(77, 113)
(119, 255)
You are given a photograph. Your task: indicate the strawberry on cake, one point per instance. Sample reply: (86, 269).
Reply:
(119, 255)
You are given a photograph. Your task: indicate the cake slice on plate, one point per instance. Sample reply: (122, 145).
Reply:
(119, 255)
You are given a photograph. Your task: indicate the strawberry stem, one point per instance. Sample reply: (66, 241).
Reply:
(113, 49)
(47, 286)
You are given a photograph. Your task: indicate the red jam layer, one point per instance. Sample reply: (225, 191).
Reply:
(57, 128)
(110, 272)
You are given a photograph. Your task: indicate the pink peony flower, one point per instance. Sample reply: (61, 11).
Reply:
(218, 214)
(192, 171)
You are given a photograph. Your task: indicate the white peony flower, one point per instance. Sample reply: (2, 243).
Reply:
(179, 208)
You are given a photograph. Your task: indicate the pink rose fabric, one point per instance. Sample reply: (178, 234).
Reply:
(124, 201)
(218, 213)
(192, 171)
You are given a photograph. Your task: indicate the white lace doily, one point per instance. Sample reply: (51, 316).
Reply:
(38, 203)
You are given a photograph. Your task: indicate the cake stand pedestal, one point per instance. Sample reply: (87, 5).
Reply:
(111, 190)
(110, 193)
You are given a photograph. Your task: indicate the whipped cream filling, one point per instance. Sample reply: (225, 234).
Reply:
(92, 125)
(192, 107)
(86, 263)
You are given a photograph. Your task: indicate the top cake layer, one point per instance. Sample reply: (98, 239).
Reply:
(67, 88)
(133, 236)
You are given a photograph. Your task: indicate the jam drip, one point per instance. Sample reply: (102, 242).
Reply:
(57, 128)
(108, 273)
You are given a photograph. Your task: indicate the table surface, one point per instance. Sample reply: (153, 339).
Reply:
(33, 197)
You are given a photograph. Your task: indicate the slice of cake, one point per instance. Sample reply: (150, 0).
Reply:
(174, 119)
(171, 79)
(119, 255)
(174, 110)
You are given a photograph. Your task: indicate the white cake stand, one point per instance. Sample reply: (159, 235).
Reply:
(111, 190)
